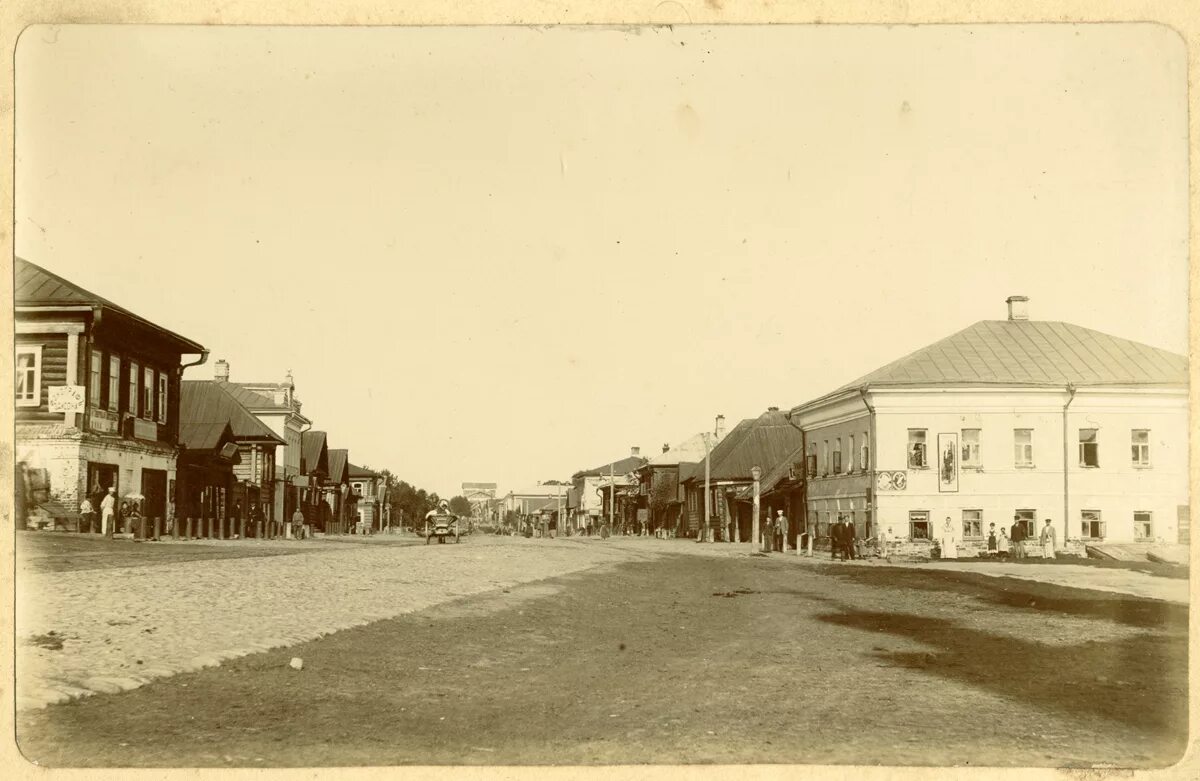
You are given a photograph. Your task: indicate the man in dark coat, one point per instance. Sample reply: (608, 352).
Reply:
(835, 538)
(848, 539)
(1017, 538)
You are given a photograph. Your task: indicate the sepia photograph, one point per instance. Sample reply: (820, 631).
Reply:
(597, 395)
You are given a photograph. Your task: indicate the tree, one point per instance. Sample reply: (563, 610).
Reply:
(460, 506)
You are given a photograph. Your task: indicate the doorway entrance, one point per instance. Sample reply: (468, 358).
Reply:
(154, 489)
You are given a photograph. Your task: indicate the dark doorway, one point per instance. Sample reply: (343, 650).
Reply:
(154, 489)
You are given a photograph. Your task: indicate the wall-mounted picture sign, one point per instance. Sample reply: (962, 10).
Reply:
(947, 463)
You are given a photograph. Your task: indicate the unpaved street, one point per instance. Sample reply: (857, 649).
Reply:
(640, 651)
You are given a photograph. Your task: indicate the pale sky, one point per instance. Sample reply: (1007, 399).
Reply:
(506, 254)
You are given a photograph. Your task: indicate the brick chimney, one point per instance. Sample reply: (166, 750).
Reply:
(1018, 308)
(666, 447)
(720, 427)
(634, 452)
(221, 370)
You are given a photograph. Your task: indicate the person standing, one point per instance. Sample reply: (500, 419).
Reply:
(781, 530)
(1018, 538)
(849, 539)
(1002, 545)
(768, 533)
(297, 523)
(1048, 540)
(87, 516)
(885, 543)
(992, 542)
(949, 547)
(108, 507)
(835, 538)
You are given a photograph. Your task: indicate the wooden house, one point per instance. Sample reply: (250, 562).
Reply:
(97, 392)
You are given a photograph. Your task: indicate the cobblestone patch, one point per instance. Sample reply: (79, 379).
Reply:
(122, 627)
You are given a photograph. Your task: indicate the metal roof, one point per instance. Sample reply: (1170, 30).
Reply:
(1031, 352)
(312, 445)
(338, 459)
(358, 471)
(624, 466)
(252, 399)
(35, 286)
(764, 442)
(690, 449)
(208, 402)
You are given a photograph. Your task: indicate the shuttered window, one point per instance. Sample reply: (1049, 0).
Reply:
(95, 378)
(160, 403)
(148, 393)
(29, 376)
(132, 404)
(114, 383)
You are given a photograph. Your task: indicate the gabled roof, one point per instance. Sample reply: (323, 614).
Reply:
(1031, 352)
(252, 399)
(35, 286)
(313, 446)
(202, 436)
(776, 476)
(358, 471)
(208, 402)
(690, 449)
(763, 442)
(338, 459)
(621, 467)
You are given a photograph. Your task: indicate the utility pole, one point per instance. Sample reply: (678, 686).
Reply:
(707, 488)
(612, 500)
(756, 473)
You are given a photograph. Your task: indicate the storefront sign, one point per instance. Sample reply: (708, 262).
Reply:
(67, 398)
(104, 422)
(145, 429)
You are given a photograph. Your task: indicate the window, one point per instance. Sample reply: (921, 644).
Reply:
(970, 448)
(29, 376)
(918, 525)
(825, 458)
(114, 383)
(132, 405)
(1140, 439)
(148, 393)
(837, 456)
(1028, 520)
(358, 489)
(811, 459)
(1023, 446)
(95, 380)
(1142, 526)
(864, 458)
(850, 455)
(1089, 448)
(1092, 527)
(972, 521)
(917, 457)
(160, 402)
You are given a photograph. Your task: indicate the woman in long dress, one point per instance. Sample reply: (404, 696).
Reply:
(949, 547)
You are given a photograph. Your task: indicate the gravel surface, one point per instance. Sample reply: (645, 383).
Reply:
(111, 629)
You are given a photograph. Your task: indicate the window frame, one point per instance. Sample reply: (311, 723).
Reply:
(969, 449)
(34, 399)
(1030, 523)
(1140, 451)
(160, 400)
(864, 460)
(133, 381)
(95, 394)
(114, 383)
(913, 520)
(850, 451)
(1149, 521)
(1085, 522)
(837, 456)
(976, 522)
(149, 389)
(911, 451)
(1017, 460)
(1093, 444)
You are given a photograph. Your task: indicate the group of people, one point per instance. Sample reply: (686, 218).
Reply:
(1019, 539)
(775, 532)
(107, 502)
(842, 540)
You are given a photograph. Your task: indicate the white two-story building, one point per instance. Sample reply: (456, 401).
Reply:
(1010, 420)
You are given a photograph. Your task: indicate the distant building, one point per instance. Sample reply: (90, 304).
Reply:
(97, 393)
(587, 484)
(480, 496)
(763, 442)
(659, 491)
(278, 407)
(370, 491)
(1007, 419)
